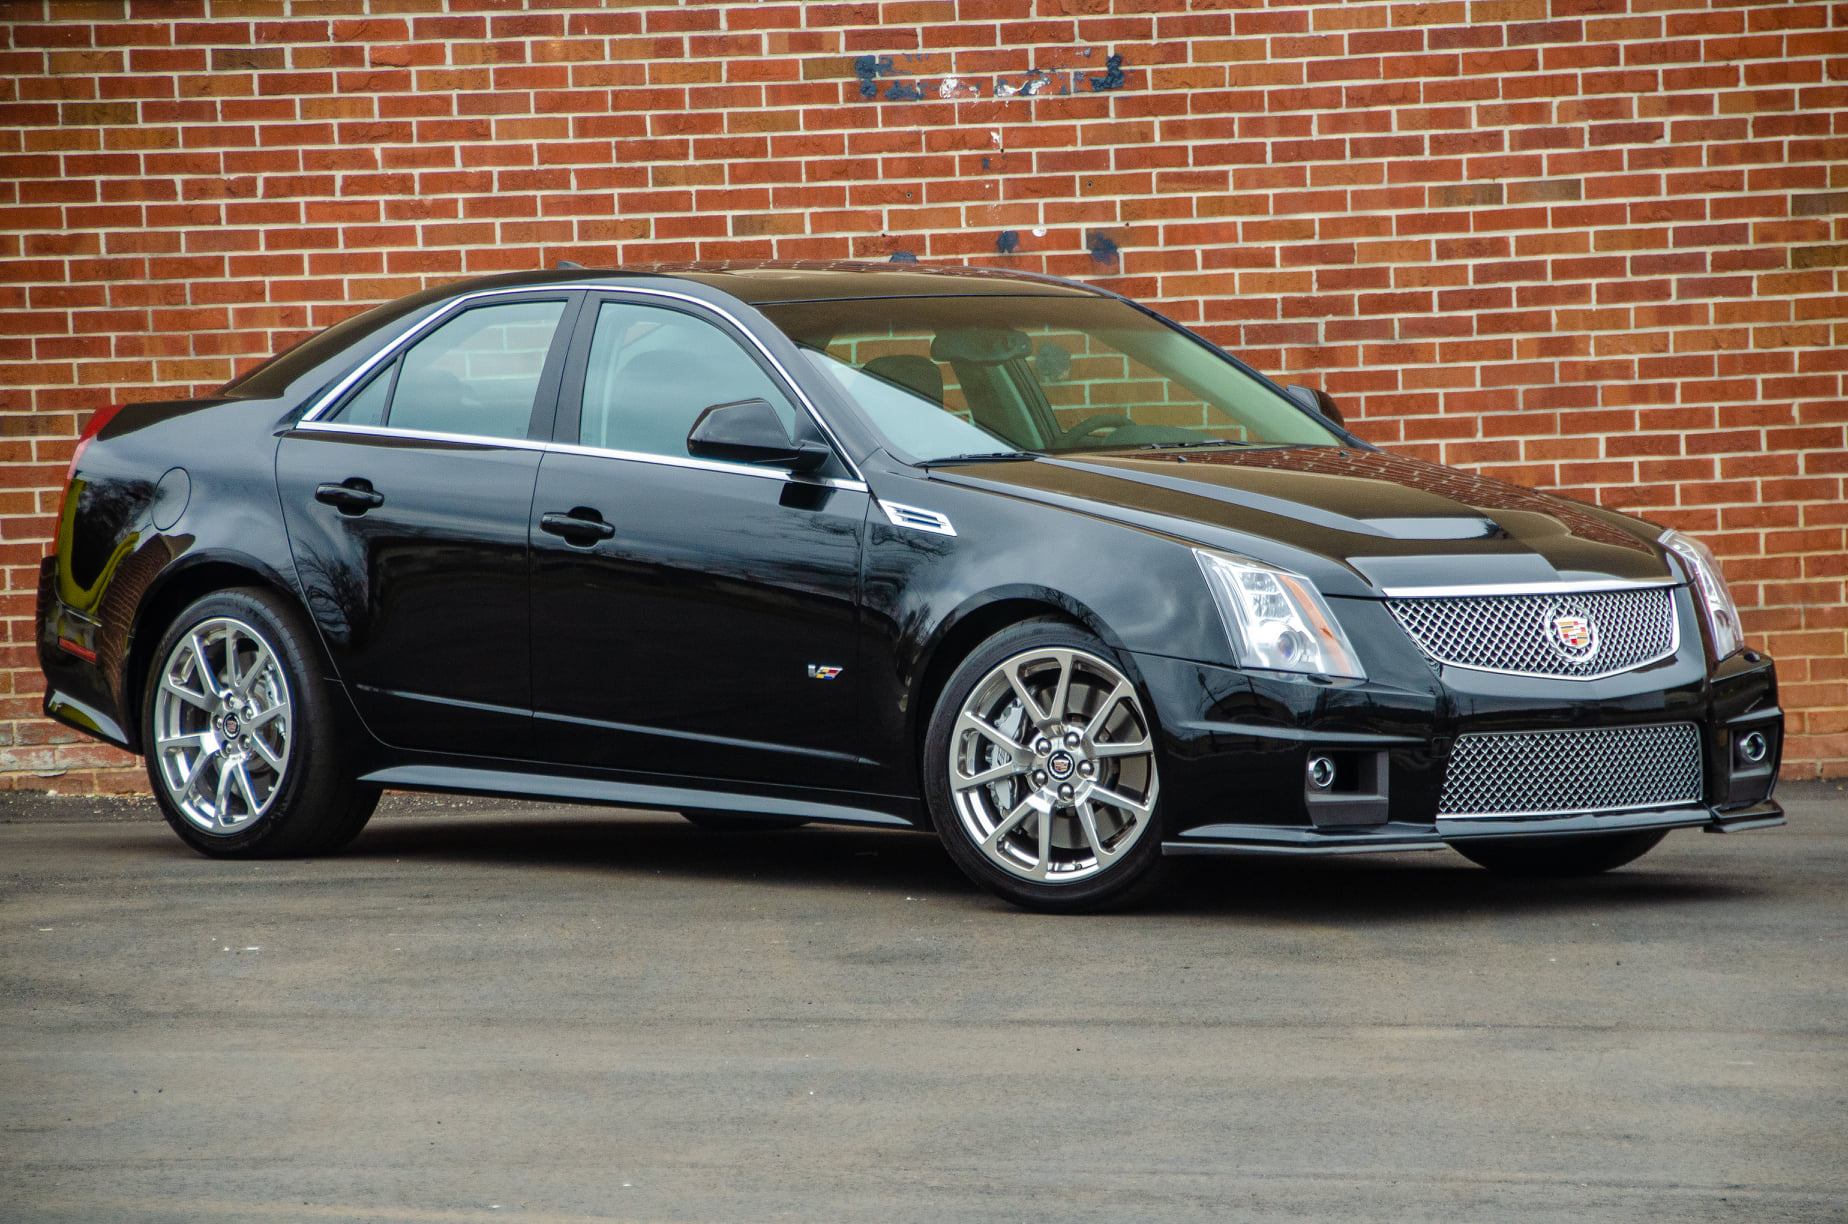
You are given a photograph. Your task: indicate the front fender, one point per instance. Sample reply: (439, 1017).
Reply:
(1140, 591)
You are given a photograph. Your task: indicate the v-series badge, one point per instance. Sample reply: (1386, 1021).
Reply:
(819, 672)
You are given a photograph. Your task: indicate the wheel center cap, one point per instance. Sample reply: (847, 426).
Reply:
(231, 724)
(1060, 765)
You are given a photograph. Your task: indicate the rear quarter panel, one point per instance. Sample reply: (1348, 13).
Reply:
(164, 489)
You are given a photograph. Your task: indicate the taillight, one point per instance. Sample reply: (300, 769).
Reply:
(98, 419)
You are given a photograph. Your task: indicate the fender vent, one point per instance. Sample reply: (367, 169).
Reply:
(917, 519)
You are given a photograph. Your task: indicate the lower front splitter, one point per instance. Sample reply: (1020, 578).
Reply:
(1398, 836)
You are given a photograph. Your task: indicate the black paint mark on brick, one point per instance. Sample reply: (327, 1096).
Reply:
(902, 257)
(1102, 248)
(1113, 74)
(1007, 241)
(903, 91)
(869, 67)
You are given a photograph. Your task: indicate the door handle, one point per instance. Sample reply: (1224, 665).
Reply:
(582, 526)
(351, 496)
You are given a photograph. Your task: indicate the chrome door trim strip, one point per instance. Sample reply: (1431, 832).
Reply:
(705, 465)
(422, 435)
(597, 452)
(1563, 586)
(454, 304)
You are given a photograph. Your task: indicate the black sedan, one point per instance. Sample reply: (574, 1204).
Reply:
(1000, 556)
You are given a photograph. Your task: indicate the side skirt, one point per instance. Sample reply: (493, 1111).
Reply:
(514, 784)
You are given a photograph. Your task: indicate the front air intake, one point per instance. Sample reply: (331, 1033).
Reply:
(1576, 772)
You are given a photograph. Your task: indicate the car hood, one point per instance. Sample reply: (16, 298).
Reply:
(1358, 521)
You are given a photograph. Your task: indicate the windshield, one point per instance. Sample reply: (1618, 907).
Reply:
(943, 377)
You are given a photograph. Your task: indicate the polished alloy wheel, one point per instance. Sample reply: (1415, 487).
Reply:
(222, 721)
(1052, 767)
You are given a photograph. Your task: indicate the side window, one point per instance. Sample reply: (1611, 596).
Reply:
(368, 407)
(651, 371)
(477, 374)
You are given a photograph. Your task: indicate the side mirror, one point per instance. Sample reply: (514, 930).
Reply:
(1317, 401)
(750, 431)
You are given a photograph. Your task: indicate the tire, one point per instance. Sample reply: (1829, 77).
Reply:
(732, 822)
(1023, 834)
(1540, 857)
(280, 728)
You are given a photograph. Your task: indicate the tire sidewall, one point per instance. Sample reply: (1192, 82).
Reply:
(298, 812)
(1121, 883)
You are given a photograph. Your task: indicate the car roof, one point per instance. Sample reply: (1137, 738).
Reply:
(765, 283)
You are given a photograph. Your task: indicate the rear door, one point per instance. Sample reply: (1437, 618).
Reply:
(407, 507)
(703, 620)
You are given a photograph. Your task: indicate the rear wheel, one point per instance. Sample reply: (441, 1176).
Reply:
(244, 749)
(1040, 772)
(1560, 856)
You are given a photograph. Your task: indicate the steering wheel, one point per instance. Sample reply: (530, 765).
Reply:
(1092, 424)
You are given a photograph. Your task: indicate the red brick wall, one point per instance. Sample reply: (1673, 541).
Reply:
(1592, 245)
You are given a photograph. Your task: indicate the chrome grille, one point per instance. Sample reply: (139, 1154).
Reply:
(1549, 773)
(1516, 633)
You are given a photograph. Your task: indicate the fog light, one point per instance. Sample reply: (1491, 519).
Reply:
(1754, 747)
(1321, 773)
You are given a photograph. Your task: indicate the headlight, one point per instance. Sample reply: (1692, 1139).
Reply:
(1277, 620)
(1716, 602)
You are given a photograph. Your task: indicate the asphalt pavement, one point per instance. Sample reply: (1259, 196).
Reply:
(490, 1011)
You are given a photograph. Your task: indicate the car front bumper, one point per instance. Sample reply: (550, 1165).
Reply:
(1237, 747)
(1394, 836)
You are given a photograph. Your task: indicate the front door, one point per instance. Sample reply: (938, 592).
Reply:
(702, 620)
(406, 507)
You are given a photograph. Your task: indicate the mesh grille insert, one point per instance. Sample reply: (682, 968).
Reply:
(1574, 635)
(1536, 773)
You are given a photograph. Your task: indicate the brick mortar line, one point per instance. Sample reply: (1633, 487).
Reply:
(1024, 103)
(1113, 147)
(1002, 176)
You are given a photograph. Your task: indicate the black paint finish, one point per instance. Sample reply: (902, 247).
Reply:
(423, 601)
(681, 644)
(532, 617)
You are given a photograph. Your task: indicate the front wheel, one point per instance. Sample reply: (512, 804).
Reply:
(244, 747)
(1583, 855)
(1040, 772)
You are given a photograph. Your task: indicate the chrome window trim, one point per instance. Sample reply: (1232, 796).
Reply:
(596, 452)
(705, 465)
(1563, 586)
(426, 435)
(400, 341)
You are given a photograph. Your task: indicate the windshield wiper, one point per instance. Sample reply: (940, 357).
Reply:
(980, 457)
(1198, 442)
